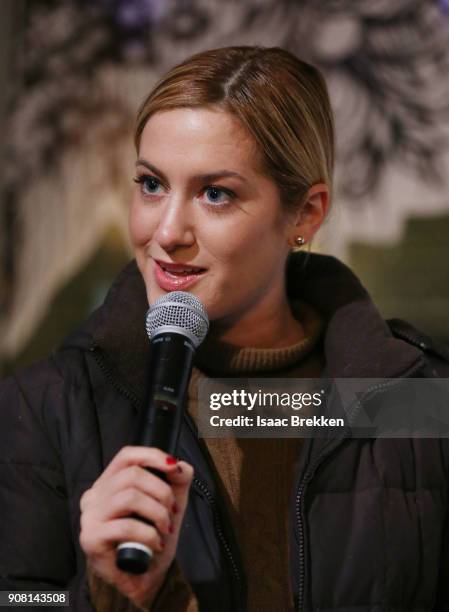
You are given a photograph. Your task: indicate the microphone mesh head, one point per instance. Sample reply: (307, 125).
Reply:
(179, 312)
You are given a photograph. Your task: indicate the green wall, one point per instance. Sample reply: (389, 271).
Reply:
(410, 280)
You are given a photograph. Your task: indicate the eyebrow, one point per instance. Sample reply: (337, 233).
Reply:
(203, 177)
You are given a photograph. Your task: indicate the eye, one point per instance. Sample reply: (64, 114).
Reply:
(149, 185)
(217, 195)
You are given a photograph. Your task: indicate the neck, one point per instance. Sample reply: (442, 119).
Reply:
(270, 328)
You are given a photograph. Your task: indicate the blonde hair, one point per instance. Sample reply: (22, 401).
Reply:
(281, 100)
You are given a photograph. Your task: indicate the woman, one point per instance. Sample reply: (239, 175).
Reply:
(234, 171)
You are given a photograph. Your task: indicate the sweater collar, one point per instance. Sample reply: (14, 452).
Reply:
(222, 359)
(357, 341)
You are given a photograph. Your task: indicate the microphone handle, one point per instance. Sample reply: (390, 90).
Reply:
(160, 423)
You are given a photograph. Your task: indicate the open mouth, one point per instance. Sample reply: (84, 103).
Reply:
(172, 277)
(177, 270)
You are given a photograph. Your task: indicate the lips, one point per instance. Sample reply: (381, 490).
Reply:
(174, 276)
(177, 268)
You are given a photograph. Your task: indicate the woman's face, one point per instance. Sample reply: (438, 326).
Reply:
(204, 218)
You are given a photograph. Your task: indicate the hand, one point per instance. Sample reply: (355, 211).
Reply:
(125, 488)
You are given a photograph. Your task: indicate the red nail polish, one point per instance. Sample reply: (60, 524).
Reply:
(171, 460)
(175, 508)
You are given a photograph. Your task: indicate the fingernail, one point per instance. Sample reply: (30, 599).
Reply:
(171, 460)
(175, 508)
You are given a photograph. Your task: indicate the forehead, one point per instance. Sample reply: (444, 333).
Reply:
(199, 138)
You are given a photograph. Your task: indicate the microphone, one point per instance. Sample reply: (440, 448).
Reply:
(176, 325)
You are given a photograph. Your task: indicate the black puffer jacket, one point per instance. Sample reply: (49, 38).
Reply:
(369, 527)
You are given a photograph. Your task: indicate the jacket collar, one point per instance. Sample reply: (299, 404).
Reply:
(357, 342)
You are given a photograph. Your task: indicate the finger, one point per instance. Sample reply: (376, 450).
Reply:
(180, 482)
(180, 478)
(105, 536)
(136, 477)
(131, 501)
(139, 455)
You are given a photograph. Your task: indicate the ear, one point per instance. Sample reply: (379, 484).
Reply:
(311, 214)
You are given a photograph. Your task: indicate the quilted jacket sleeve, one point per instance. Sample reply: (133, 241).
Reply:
(36, 544)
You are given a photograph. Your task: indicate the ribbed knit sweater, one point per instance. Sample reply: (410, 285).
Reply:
(255, 477)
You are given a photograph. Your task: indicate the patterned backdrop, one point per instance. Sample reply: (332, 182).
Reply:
(84, 67)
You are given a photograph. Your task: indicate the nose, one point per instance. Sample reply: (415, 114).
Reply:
(175, 227)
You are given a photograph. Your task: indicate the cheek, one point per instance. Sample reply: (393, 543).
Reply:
(227, 250)
(139, 224)
(247, 243)
(246, 258)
